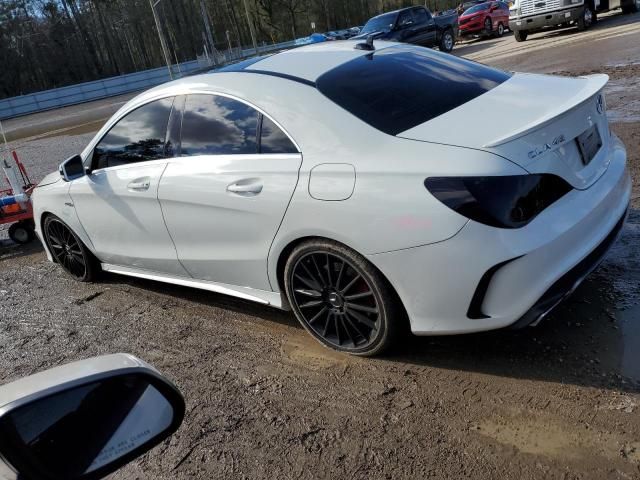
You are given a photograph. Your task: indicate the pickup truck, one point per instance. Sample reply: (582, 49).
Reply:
(528, 16)
(415, 25)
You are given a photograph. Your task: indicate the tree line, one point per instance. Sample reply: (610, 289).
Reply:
(51, 43)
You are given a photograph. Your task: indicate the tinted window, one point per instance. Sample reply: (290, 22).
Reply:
(432, 84)
(137, 137)
(274, 140)
(404, 18)
(215, 125)
(420, 15)
(380, 23)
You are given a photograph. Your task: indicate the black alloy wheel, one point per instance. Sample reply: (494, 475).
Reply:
(69, 251)
(340, 298)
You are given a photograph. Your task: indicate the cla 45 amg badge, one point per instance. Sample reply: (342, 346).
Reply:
(546, 147)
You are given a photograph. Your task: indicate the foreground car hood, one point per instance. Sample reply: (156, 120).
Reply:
(53, 177)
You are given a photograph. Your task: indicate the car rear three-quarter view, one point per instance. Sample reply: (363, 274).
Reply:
(365, 190)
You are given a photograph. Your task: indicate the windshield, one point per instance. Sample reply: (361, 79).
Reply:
(477, 8)
(377, 24)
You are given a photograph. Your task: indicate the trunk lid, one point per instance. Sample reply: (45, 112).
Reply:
(545, 124)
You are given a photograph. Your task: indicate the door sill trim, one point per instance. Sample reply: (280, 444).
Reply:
(264, 297)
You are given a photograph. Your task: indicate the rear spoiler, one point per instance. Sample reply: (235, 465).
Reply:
(594, 84)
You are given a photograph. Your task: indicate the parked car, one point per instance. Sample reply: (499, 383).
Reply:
(487, 18)
(530, 16)
(313, 38)
(413, 25)
(357, 187)
(85, 420)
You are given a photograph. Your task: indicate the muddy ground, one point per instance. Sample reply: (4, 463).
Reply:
(265, 401)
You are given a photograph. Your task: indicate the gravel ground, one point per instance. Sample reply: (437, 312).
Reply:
(265, 401)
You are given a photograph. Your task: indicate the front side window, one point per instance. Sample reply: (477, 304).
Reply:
(405, 18)
(216, 125)
(139, 136)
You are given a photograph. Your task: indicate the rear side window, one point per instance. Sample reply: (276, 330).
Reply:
(399, 88)
(216, 125)
(273, 139)
(137, 137)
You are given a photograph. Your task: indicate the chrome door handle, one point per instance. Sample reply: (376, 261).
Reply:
(140, 184)
(246, 189)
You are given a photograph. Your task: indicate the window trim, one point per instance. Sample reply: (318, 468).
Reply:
(90, 149)
(261, 113)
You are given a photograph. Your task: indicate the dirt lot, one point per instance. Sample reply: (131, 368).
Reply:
(265, 401)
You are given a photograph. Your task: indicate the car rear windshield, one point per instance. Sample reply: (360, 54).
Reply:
(398, 88)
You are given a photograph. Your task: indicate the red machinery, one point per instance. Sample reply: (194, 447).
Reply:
(15, 202)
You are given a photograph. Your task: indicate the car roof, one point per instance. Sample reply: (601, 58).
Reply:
(307, 63)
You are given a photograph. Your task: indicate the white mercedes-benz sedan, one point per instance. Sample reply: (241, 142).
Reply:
(364, 187)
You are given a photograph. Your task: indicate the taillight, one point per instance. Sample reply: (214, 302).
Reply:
(505, 202)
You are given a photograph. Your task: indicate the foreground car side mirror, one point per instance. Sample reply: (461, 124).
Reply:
(72, 168)
(86, 419)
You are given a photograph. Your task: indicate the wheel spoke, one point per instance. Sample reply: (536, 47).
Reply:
(312, 303)
(362, 308)
(340, 276)
(362, 319)
(354, 326)
(308, 293)
(335, 322)
(326, 325)
(78, 258)
(358, 295)
(328, 269)
(317, 316)
(317, 285)
(315, 264)
(345, 321)
(351, 284)
(309, 283)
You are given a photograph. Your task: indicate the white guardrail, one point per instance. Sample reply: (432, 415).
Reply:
(109, 87)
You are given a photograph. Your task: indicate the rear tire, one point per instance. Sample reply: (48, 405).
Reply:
(633, 8)
(447, 41)
(521, 35)
(587, 18)
(22, 232)
(68, 250)
(341, 299)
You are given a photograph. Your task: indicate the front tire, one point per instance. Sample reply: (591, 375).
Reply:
(488, 27)
(447, 41)
(500, 29)
(521, 35)
(633, 8)
(341, 299)
(68, 250)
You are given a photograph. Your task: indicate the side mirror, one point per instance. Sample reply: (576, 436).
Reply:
(72, 168)
(85, 420)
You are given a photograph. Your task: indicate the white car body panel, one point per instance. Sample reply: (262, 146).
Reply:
(365, 189)
(126, 223)
(222, 236)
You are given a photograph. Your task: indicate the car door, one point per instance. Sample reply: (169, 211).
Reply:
(117, 202)
(405, 27)
(425, 26)
(225, 197)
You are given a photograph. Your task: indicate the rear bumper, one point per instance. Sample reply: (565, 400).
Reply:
(549, 19)
(537, 264)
